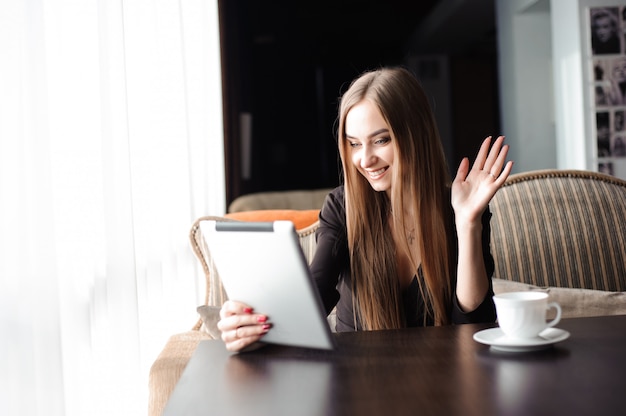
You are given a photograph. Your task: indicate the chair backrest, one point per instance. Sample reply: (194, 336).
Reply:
(293, 199)
(215, 295)
(561, 228)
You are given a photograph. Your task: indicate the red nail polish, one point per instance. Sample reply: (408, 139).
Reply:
(247, 310)
(261, 319)
(266, 327)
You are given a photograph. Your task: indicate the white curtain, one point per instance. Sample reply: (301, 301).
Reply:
(111, 145)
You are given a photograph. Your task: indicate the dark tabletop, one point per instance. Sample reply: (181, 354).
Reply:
(425, 371)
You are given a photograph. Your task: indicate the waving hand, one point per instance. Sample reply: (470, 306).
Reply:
(473, 188)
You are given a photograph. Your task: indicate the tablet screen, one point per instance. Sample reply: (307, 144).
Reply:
(262, 265)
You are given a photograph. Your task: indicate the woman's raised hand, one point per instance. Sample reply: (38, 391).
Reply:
(241, 328)
(473, 189)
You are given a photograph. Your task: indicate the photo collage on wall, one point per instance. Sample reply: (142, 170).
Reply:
(608, 55)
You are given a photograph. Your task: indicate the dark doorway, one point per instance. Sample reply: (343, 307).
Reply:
(285, 63)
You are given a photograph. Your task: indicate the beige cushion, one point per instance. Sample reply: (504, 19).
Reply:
(298, 199)
(574, 302)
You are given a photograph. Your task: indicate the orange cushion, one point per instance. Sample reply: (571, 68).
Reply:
(300, 218)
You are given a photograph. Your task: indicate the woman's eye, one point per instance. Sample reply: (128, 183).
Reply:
(353, 144)
(383, 140)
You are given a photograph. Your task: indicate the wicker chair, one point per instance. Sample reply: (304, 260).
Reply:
(563, 231)
(169, 365)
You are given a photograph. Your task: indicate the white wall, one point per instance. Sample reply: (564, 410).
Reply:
(569, 80)
(526, 88)
(546, 109)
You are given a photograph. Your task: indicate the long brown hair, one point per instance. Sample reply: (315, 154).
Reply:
(421, 185)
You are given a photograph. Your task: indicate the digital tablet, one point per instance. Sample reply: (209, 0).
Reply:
(262, 265)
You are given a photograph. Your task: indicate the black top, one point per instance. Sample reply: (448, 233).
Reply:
(331, 272)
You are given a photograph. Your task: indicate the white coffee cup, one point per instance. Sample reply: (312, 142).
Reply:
(523, 314)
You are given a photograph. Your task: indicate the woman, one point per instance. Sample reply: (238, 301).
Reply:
(397, 245)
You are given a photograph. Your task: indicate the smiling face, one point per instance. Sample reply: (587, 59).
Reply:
(370, 145)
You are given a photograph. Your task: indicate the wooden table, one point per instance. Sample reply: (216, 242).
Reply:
(417, 371)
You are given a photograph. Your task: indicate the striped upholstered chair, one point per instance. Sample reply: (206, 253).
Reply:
(563, 231)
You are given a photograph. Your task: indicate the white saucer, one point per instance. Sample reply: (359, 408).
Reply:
(498, 341)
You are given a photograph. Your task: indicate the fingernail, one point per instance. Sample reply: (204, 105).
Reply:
(261, 319)
(247, 310)
(266, 327)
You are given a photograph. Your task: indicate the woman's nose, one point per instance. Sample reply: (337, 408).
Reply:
(368, 158)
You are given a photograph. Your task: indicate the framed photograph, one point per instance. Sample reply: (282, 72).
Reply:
(607, 60)
(606, 31)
